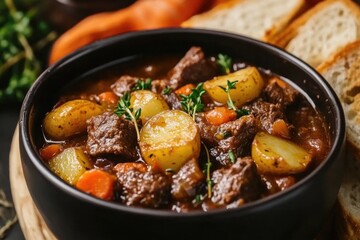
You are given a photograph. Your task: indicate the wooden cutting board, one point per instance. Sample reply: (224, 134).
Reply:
(31, 222)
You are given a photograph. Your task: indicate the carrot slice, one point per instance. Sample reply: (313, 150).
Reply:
(220, 115)
(280, 128)
(124, 167)
(97, 183)
(50, 151)
(109, 97)
(185, 90)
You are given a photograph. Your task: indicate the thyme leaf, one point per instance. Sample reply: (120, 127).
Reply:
(142, 84)
(232, 156)
(167, 90)
(225, 62)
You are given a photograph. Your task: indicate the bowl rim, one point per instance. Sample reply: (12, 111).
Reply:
(250, 207)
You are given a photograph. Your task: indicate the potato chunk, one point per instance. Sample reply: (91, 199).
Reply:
(70, 164)
(276, 155)
(169, 139)
(149, 102)
(70, 118)
(249, 86)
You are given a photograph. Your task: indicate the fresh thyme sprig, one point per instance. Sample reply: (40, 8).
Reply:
(209, 182)
(225, 62)
(193, 102)
(229, 86)
(123, 108)
(142, 84)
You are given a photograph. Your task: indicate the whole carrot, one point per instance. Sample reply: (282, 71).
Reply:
(143, 14)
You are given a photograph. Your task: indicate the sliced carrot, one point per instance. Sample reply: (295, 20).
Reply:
(185, 90)
(280, 128)
(279, 82)
(124, 167)
(108, 97)
(49, 151)
(97, 183)
(220, 115)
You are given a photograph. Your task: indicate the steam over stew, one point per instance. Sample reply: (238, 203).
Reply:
(197, 132)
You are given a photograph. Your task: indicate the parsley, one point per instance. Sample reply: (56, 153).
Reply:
(193, 102)
(123, 108)
(142, 84)
(225, 62)
(229, 86)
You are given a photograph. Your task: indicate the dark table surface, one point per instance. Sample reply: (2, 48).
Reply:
(8, 120)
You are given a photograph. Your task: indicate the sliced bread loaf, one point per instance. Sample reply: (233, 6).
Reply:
(259, 19)
(342, 71)
(321, 31)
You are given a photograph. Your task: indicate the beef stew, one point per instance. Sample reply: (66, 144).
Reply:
(192, 133)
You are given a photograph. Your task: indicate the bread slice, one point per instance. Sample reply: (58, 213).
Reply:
(347, 209)
(342, 71)
(258, 19)
(321, 31)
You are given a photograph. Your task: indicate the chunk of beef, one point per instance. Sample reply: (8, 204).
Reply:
(111, 134)
(186, 180)
(237, 184)
(192, 68)
(238, 136)
(266, 113)
(158, 85)
(276, 184)
(124, 84)
(207, 131)
(282, 93)
(173, 100)
(145, 189)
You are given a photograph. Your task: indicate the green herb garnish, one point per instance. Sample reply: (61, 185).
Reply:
(24, 37)
(225, 62)
(123, 108)
(232, 156)
(143, 84)
(229, 86)
(208, 164)
(193, 102)
(167, 90)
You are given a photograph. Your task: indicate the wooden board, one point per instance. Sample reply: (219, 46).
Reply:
(31, 222)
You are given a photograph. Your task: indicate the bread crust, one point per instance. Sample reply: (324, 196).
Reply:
(283, 38)
(227, 6)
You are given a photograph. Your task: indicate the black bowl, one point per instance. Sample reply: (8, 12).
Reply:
(297, 213)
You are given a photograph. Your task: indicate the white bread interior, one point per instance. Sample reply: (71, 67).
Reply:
(321, 31)
(258, 19)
